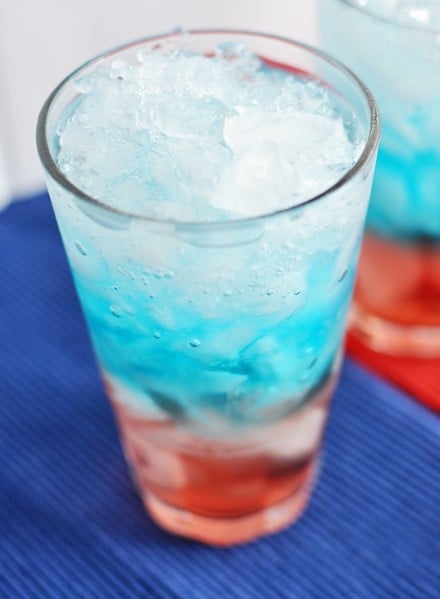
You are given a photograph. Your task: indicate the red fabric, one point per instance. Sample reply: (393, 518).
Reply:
(420, 377)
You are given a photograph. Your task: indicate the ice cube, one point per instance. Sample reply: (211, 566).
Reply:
(303, 437)
(276, 159)
(200, 118)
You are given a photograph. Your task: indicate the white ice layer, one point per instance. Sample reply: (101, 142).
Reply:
(187, 137)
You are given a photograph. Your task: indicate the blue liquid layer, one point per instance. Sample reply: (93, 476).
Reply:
(240, 366)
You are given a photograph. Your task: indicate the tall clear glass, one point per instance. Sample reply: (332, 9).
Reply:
(219, 343)
(395, 48)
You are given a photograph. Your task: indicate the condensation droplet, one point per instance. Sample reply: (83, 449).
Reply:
(81, 249)
(343, 275)
(117, 312)
(305, 377)
(312, 363)
(157, 335)
(194, 343)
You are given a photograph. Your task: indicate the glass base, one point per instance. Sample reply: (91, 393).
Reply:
(397, 297)
(393, 338)
(232, 530)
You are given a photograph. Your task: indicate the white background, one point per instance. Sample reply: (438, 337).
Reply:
(41, 41)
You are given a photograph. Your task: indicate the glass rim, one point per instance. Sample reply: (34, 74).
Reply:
(411, 26)
(55, 172)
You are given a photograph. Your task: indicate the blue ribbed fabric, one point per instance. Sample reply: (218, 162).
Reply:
(71, 524)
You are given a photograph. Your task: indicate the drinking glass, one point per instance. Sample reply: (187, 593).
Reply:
(219, 343)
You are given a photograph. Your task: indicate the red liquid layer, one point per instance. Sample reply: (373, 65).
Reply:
(225, 491)
(397, 297)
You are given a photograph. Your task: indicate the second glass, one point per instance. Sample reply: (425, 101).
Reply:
(395, 48)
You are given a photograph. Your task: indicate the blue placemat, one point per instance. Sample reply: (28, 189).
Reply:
(71, 524)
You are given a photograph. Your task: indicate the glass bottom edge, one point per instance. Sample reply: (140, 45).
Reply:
(229, 531)
(387, 337)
